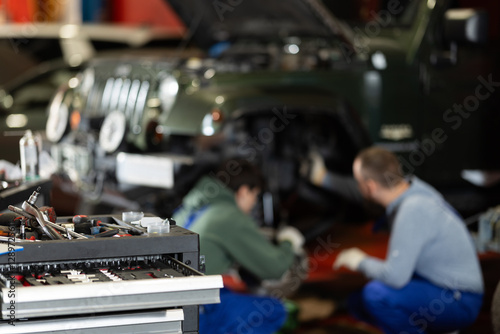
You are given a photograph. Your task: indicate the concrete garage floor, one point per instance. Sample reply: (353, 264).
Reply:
(324, 291)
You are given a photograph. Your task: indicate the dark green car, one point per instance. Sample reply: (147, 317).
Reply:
(274, 81)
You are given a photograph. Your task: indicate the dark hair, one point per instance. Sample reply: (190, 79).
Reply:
(234, 173)
(381, 166)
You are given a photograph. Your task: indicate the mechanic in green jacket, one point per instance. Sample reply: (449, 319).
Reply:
(218, 208)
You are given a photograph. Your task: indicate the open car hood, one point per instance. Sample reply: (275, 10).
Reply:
(216, 21)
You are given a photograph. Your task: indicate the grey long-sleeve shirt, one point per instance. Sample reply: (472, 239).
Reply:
(428, 239)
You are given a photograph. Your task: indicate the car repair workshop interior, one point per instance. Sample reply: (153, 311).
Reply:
(250, 166)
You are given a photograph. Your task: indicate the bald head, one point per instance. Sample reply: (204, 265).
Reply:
(379, 165)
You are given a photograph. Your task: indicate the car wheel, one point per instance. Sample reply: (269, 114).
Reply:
(495, 310)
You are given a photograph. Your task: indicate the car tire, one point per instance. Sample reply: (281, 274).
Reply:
(495, 310)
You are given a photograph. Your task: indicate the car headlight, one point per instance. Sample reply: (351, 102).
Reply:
(211, 122)
(58, 120)
(112, 131)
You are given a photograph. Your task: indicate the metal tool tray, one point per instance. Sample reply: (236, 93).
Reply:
(159, 273)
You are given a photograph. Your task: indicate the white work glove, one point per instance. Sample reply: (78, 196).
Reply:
(350, 258)
(291, 234)
(318, 169)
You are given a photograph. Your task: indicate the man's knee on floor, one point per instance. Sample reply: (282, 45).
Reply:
(376, 294)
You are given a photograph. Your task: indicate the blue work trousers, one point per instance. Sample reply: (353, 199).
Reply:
(242, 314)
(419, 307)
